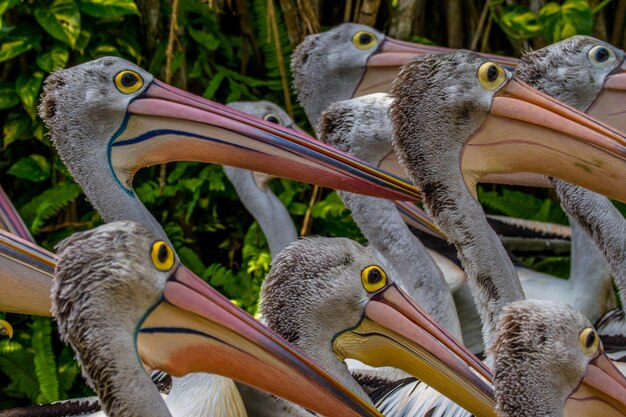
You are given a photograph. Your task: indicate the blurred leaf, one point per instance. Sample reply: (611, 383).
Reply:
(27, 87)
(34, 168)
(55, 59)
(15, 125)
(573, 17)
(61, 20)
(8, 96)
(519, 22)
(16, 44)
(207, 40)
(108, 8)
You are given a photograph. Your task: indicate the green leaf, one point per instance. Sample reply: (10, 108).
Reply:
(61, 20)
(15, 125)
(573, 17)
(34, 168)
(16, 45)
(207, 40)
(83, 40)
(45, 363)
(27, 87)
(55, 59)
(48, 204)
(519, 22)
(8, 96)
(108, 8)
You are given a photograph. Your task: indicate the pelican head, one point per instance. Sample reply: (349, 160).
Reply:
(119, 290)
(351, 60)
(585, 72)
(108, 118)
(549, 361)
(331, 299)
(6, 329)
(459, 109)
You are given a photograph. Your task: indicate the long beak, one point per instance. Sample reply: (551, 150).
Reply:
(396, 332)
(602, 392)
(610, 105)
(384, 65)
(195, 329)
(528, 131)
(167, 124)
(26, 272)
(10, 219)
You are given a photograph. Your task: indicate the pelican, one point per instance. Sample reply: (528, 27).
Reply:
(403, 255)
(589, 75)
(106, 280)
(359, 126)
(6, 329)
(352, 60)
(545, 352)
(447, 110)
(107, 118)
(327, 281)
(329, 296)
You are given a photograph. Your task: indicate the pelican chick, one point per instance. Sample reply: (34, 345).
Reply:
(329, 297)
(105, 281)
(546, 352)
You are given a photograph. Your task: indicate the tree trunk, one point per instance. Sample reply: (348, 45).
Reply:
(599, 22)
(368, 12)
(419, 22)
(402, 18)
(150, 23)
(290, 14)
(618, 27)
(454, 18)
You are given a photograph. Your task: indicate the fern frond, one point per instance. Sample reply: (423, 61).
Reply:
(266, 42)
(45, 362)
(48, 204)
(17, 366)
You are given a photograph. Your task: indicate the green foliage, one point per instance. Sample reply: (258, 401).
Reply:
(523, 205)
(554, 21)
(45, 363)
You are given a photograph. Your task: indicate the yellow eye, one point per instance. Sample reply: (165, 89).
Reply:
(589, 341)
(6, 329)
(491, 75)
(373, 278)
(364, 40)
(601, 56)
(162, 256)
(128, 81)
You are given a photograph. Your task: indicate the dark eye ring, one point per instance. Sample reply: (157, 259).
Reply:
(272, 118)
(128, 79)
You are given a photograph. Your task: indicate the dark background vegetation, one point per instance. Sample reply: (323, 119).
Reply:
(226, 51)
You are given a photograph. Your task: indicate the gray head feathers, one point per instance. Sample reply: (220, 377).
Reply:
(359, 126)
(538, 357)
(264, 110)
(565, 70)
(315, 282)
(104, 284)
(327, 67)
